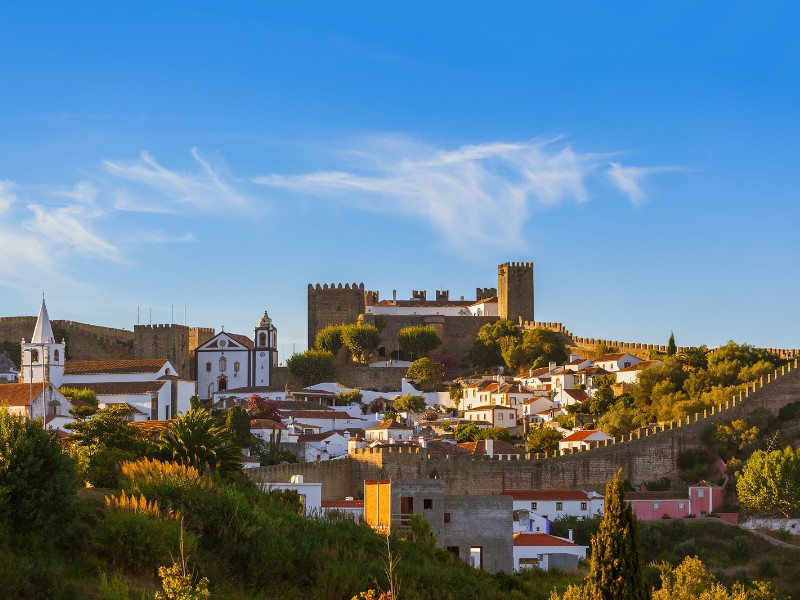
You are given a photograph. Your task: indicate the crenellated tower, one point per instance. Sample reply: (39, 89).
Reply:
(515, 291)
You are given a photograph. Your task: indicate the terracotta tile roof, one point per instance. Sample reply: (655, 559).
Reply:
(424, 303)
(131, 407)
(539, 371)
(540, 539)
(489, 407)
(315, 414)
(640, 366)
(151, 427)
(316, 437)
(579, 395)
(593, 370)
(442, 447)
(612, 356)
(242, 339)
(266, 424)
(500, 447)
(342, 504)
(579, 436)
(388, 424)
(658, 495)
(19, 394)
(149, 365)
(120, 388)
(484, 300)
(545, 495)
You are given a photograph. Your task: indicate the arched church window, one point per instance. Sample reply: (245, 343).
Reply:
(208, 367)
(262, 339)
(223, 384)
(55, 355)
(223, 363)
(236, 366)
(34, 356)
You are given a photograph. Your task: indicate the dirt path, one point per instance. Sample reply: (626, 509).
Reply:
(759, 534)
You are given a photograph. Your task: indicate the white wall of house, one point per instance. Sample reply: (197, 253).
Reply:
(166, 369)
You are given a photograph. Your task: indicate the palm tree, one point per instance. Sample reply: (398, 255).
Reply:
(694, 358)
(196, 439)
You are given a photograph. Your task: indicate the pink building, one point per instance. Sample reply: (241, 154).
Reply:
(703, 498)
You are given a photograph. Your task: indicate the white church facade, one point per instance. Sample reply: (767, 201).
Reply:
(229, 361)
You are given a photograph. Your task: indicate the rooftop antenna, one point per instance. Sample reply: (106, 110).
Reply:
(184, 315)
(172, 314)
(138, 315)
(151, 315)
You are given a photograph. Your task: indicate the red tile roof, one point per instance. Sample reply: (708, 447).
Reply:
(152, 426)
(540, 539)
(242, 339)
(315, 414)
(579, 436)
(611, 356)
(640, 366)
(388, 424)
(545, 495)
(19, 394)
(579, 395)
(316, 437)
(266, 424)
(500, 447)
(342, 504)
(119, 388)
(489, 407)
(149, 365)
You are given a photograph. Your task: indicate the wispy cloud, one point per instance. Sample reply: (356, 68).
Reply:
(460, 191)
(629, 180)
(208, 188)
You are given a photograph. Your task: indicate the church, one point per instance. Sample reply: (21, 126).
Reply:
(229, 360)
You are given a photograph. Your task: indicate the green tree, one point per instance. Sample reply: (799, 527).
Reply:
(353, 396)
(418, 340)
(496, 433)
(695, 357)
(486, 350)
(329, 339)
(79, 394)
(427, 372)
(311, 367)
(691, 580)
(466, 432)
(736, 440)
(408, 403)
(238, 422)
(37, 480)
(361, 340)
(195, 439)
(618, 421)
(615, 567)
(543, 439)
(671, 347)
(83, 412)
(771, 481)
(110, 428)
(601, 349)
(603, 396)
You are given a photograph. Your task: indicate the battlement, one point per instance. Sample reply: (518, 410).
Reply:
(521, 265)
(484, 293)
(333, 286)
(419, 295)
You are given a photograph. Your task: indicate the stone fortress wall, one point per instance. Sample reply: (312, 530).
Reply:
(647, 454)
(84, 341)
(177, 343)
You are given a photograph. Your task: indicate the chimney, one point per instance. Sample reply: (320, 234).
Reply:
(489, 445)
(394, 296)
(296, 479)
(552, 366)
(569, 534)
(573, 357)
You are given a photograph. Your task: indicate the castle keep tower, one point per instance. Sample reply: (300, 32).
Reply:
(515, 291)
(332, 305)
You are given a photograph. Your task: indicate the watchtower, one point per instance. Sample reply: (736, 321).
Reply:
(515, 291)
(333, 305)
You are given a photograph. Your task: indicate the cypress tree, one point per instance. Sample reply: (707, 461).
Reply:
(672, 349)
(615, 570)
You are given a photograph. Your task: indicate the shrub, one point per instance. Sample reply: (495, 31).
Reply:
(739, 550)
(766, 568)
(104, 466)
(112, 588)
(162, 480)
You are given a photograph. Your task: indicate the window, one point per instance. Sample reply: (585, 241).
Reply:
(223, 384)
(34, 356)
(208, 367)
(701, 493)
(55, 356)
(476, 557)
(427, 504)
(500, 417)
(166, 412)
(223, 363)
(533, 505)
(681, 505)
(453, 550)
(559, 506)
(583, 505)
(627, 364)
(656, 505)
(446, 517)
(236, 367)
(262, 339)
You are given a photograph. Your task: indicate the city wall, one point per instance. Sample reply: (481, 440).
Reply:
(382, 379)
(646, 454)
(84, 341)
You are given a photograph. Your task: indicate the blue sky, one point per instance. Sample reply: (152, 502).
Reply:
(218, 157)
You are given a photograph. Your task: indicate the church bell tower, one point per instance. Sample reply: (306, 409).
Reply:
(43, 358)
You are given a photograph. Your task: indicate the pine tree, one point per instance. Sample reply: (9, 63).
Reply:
(672, 349)
(615, 571)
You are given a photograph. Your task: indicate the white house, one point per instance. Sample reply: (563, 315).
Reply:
(567, 397)
(513, 395)
(150, 385)
(348, 506)
(323, 446)
(583, 438)
(535, 405)
(8, 370)
(230, 361)
(616, 361)
(545, 552)
(557, 503)
(310, 493)
(389, 430)
(35, 400)
(326, 420)
(631, 374)
(497, 416)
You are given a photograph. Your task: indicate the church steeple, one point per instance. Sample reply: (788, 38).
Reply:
(43, 358)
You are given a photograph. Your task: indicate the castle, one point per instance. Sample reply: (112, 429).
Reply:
(456, 321)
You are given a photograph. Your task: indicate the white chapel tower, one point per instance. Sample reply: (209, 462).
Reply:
(265, 355)
(42, 358)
